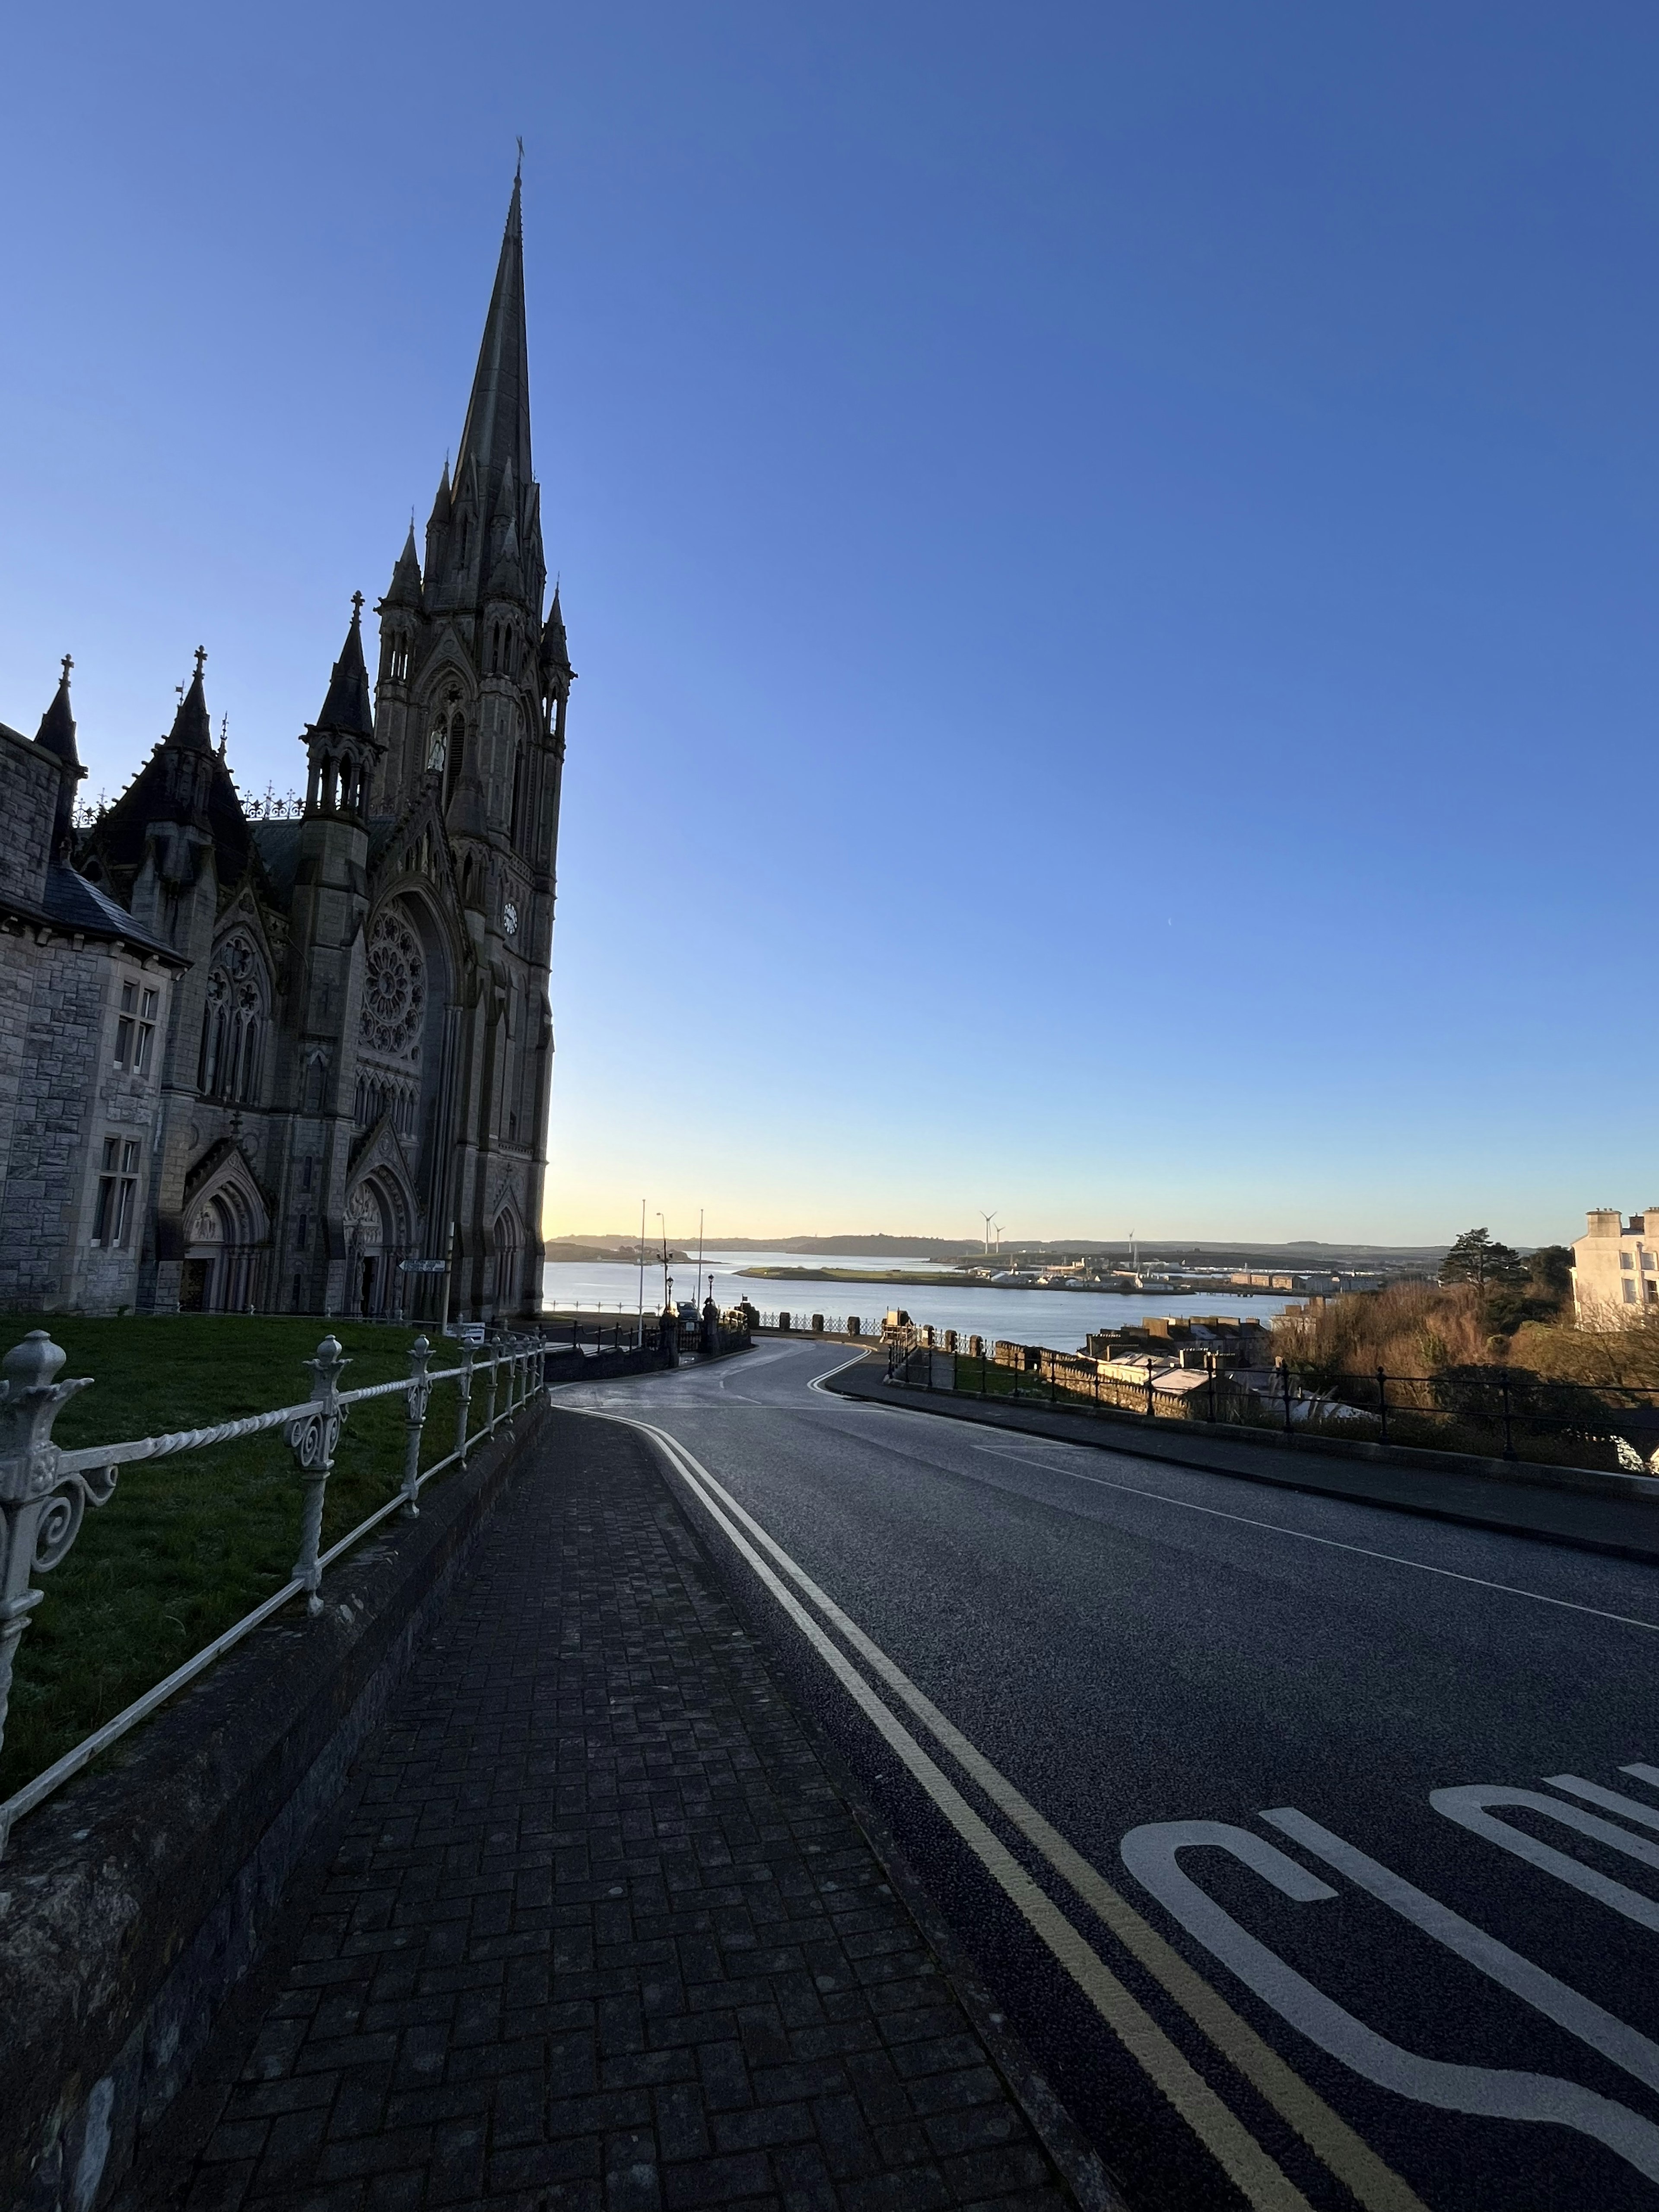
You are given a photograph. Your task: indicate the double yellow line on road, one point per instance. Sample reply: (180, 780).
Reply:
(1262, 2180)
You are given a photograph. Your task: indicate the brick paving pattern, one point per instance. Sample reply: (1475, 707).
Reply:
(601, 1933)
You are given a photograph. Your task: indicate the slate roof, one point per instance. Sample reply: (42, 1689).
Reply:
(278, 844)
(69, 902)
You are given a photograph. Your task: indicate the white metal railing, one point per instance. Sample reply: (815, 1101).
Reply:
(46, 1489)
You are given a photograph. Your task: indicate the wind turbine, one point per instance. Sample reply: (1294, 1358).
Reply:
(988, 1218)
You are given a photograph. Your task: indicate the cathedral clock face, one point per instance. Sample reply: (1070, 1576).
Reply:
(510, 919)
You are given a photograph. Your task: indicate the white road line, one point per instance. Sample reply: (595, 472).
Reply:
(1373, 2183)
(1262, 2180)
(1303, 1536)
(818, 1381)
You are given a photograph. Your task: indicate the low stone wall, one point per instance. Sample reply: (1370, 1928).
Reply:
(569, 1365)
(132, 1904)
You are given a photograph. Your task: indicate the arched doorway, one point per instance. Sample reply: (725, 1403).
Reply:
(223, 1254)
(369, 1239)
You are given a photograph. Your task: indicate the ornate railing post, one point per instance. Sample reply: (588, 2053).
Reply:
(465, 1386)
(313, 1439)
(489, 1403)
(420, 1393)
(42, 1510)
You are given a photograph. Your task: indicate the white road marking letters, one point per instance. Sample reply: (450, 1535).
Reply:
(1492, 2092)
(1578, 2015)
(1468, 1806)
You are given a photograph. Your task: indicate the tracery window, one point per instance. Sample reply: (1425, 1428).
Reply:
(234, 1020)
(393, 1021)
(394, 986)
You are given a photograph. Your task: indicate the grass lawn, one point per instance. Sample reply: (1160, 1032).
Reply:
(189, 1543)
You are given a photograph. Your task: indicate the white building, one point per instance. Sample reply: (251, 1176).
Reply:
(1615, 1268)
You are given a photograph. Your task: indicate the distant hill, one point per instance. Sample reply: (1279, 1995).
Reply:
(879, 1245)
(625, 1249)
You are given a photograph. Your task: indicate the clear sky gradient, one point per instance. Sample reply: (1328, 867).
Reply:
(1110, 553)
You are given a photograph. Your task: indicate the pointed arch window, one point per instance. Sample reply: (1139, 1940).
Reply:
(236, 1019)
(454, 751)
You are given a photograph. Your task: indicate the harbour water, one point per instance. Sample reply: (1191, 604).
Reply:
(1059, 1319)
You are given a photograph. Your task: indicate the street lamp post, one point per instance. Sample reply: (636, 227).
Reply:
(639, 1340)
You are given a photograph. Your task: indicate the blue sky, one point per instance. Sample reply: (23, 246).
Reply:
(1111, 553)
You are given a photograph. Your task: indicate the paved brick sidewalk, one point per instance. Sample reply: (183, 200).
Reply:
(601, 1931)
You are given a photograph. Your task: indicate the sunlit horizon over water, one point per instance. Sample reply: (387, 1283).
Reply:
(1059, 1319)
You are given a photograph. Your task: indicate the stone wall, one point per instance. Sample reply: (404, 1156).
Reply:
(32, 777)
(54, 1010)
(58, 1099)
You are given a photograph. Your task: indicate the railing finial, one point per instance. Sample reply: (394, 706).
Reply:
(41, 1508)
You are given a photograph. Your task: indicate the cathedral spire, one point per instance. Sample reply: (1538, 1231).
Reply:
(556, 650)
(56, 730)
(57, 734)
(497, 428)
(406, 590)
(346, 707)
(192, 729)
(343, 748)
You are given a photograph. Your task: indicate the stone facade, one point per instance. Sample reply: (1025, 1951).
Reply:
(1615, 1269)
(346, 1108)
(76, 1126)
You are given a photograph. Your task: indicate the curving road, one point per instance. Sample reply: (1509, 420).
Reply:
(1311, 1850)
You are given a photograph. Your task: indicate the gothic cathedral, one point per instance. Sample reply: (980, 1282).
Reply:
(301, 1062)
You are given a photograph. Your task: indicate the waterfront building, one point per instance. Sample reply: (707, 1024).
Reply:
(1615, 1268)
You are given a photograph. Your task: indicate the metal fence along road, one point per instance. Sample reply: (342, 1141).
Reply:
(45, 1490)
(1497, 1411)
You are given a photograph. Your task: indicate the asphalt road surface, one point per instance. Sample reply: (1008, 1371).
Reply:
(1311, 1850)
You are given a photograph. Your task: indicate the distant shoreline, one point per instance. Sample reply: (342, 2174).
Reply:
(912, 1279)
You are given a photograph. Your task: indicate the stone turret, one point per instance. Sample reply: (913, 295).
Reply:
(340, 745)
(57, 734)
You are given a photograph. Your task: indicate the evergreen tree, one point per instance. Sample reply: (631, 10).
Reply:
(1480, 1259)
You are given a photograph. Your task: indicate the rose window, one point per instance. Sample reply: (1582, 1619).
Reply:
(394, 986)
